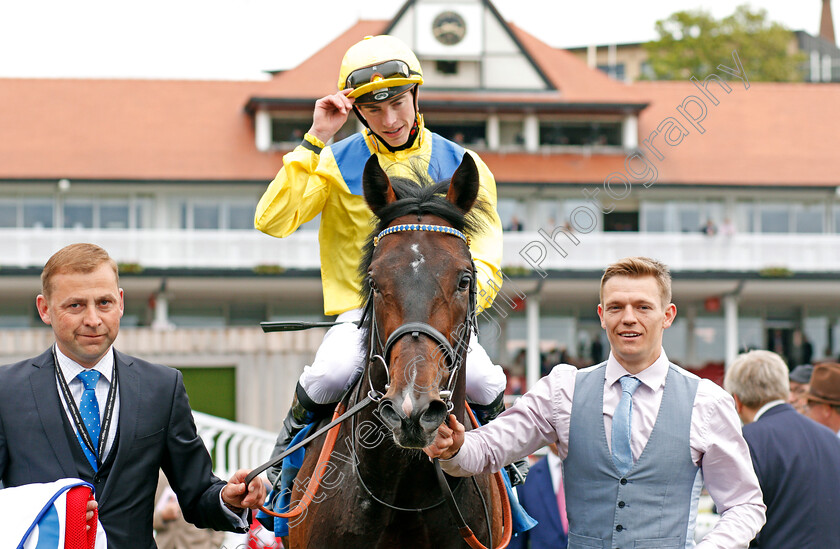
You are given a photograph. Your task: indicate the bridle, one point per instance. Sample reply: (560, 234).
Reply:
(378, 354)
(456, 358)
(454, 354)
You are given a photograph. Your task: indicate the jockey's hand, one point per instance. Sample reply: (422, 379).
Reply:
(91, 509)
(449, 439)
(237, 496)
(331, 113)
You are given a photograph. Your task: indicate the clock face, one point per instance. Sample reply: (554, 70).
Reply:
(449, 28)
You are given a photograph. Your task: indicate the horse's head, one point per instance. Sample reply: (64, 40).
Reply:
(420, 277)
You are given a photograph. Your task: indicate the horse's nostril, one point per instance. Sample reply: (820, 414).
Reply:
(434, 415)
(389, 414)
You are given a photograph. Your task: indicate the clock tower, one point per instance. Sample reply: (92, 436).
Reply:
(465, 44)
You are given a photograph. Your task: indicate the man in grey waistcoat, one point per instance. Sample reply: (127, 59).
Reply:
(638, 435)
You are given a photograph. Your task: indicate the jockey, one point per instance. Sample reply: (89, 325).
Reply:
(378, 80)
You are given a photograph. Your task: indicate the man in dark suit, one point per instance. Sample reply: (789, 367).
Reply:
(82, 409)
(542, 498)
(797, 460)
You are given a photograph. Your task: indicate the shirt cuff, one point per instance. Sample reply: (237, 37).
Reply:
(312, 143)
(240, 520)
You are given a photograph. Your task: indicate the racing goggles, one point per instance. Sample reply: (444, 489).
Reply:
(394, 75)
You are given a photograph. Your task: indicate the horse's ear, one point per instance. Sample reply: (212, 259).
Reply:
(376, 185)
(463, 188)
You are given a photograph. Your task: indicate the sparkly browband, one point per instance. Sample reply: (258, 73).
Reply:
(421, 227)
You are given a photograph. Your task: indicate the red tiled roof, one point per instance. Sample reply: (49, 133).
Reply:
(555, 168)
(129, 129)
(575, 82)
(317, 76)
(770, 134)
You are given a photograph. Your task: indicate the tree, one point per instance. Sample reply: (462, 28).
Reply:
(693, 42)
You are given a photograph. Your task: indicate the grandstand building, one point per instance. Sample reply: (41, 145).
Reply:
(166, 175)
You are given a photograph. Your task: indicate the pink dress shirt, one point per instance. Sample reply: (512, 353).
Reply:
(543, 414)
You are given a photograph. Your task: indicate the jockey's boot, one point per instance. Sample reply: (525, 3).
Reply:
(518, 470)
(303, 412)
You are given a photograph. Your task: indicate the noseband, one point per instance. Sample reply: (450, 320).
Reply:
(455, 355)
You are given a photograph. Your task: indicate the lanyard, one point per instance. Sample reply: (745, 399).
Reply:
(77, 416)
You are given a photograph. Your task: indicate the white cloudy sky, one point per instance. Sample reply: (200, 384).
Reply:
(239, 39)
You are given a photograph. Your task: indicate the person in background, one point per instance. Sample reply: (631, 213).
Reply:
(596, 350)
(709, 229)
(727, 228)
(171, 530)
(800, 379)
(824, 396)
(778, 344)
(801, 350)
(543, 498)
(797, 461)
(637, 434)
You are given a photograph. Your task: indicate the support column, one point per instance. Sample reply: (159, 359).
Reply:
(592, 56)
(690, 339)
(161, 309)
(531, 128)
(730, 309)
(493, 132)
(532, 314)
(630, 132)
(262, 130)
(503, 354)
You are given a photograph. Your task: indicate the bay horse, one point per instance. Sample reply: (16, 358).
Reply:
(377, 488)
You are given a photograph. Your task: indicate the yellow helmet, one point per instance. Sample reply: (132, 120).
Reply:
(379, 68)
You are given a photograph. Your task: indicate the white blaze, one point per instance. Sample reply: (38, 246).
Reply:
(419, 257)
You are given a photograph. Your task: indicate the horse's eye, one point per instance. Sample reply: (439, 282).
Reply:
(372, 284)
(464, 284)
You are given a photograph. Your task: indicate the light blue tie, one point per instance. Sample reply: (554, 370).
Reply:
(89, 408)
(621, 452)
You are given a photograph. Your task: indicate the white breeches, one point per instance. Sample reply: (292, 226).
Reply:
(340, 361)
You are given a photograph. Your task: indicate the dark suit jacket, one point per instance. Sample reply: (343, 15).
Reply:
(539, 500)
(798, 465)
(156, 430)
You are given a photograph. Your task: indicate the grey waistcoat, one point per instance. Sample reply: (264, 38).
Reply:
(655, 505)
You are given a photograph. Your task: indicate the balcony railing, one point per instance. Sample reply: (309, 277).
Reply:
(232, 445)
(682, 252)
(532, 250)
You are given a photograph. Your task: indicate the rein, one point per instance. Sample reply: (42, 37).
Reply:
(463, 529)
(326, 450)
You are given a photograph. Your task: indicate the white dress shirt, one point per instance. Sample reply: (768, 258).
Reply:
(771, 404)
(555, 470)
(543, 415)
(105, 366)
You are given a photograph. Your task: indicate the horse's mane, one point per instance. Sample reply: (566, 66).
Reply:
(421, 195)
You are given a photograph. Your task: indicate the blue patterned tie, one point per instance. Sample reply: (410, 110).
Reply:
(621, 452)
(89, 408)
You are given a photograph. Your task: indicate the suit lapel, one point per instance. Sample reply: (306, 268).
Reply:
(129, 387)
(48, 404)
